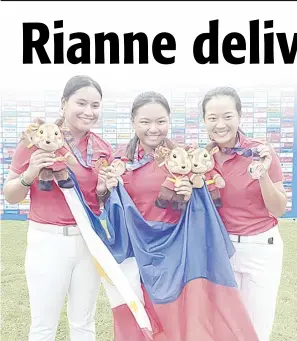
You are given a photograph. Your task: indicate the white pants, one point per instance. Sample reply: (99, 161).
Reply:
(257, 266)
(56, 266)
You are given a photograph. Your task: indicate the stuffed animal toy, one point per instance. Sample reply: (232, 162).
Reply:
(178, 164)
(49, 137)
(199, 159)
(203, 165)
(117, 166)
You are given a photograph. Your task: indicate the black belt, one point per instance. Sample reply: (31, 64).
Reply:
(269, 240)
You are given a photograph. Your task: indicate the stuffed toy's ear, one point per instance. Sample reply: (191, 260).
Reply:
(210, 146)
(60, 123)
(33, 127)
(191, 146)
(38, 121)
(27, 136)
(29, 133)
(161, 152)
(191, 151)
(169, 144)
(160, 155)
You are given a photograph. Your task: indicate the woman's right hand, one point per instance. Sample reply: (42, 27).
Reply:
(38, 160)
(106, 180)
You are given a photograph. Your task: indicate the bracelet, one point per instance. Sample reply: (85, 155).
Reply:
(101, 194)
(23, 182)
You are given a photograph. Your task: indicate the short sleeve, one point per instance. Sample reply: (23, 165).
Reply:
(275, 170)
(21, 158)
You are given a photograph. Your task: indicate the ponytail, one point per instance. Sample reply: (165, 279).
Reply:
(131, 148)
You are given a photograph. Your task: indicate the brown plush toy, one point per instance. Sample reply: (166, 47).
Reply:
(178, 164)
(203, 168)
(49, 137)
(117, 166)
(199, 159)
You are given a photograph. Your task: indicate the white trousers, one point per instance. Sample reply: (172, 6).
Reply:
(258, 266)
(56, 266)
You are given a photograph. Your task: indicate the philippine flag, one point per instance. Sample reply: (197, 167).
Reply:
(166, 282)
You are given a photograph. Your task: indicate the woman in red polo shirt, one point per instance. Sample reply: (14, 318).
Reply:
(185, 319)
(150, 118)
(251, 203)
(58, 262)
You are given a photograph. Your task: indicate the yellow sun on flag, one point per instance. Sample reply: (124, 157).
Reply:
(101, 272)
(133, 306)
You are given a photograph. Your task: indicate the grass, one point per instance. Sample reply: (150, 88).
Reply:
(15, 311)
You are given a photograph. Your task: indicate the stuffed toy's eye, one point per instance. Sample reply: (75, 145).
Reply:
(174, 156)
(205, 155)
(41, 131)
(56, 133)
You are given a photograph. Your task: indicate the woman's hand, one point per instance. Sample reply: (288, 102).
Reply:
(264, 151)
(38, 160)
(106, 181)
(184, 187)
(258, 168)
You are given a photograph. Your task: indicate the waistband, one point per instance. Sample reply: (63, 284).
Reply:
(66, 231)
(267, 237)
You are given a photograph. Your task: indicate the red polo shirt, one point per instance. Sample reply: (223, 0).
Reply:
(51, 207)
(243, 210)
(143, 185)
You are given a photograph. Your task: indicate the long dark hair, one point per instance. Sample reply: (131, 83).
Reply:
(77, 82)
(141, 100)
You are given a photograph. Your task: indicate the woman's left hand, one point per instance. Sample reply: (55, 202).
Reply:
(264, 151)
(258, 168)
(184, 187)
